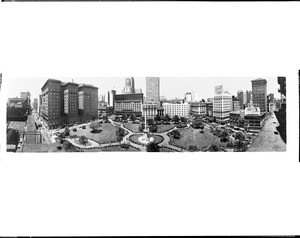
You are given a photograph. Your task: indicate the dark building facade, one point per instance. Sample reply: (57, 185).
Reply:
(259, 94)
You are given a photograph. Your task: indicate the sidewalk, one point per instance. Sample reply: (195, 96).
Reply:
(267, 140)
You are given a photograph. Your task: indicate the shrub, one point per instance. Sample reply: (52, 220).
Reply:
(176, 134)
(193, 148)
(74, 130)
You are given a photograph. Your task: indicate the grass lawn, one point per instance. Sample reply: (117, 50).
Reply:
(42, 148)
(163, 128)
(107, 133)
(132, 127)
(192, 136)
(162, 149)
(160, 128)
(118, 148)
(134, 138)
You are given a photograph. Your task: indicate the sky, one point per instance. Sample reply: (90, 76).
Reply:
(170, 87)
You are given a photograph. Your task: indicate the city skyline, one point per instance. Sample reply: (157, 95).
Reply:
(203, 87)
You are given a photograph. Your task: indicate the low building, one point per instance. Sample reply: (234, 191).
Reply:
(105, 111)
(198, 108)
(149, 110)
(254, 118)
(160, 111)
(236, 117)
(176, 109)
(128, 104)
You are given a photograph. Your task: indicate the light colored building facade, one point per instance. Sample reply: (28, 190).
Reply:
(153, 90)
(189, 97)
(176, 109)
(259, 94)
(129, 86)
(150, 110)
(222, 106)
(127, 104)
(198, 108)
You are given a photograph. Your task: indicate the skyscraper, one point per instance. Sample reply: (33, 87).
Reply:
(153, 90)
(35, 104)
(88, 101)
(129, 86)
(259, 94)
(189, 97)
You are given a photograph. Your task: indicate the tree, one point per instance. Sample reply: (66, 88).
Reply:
(141, 127)
(61, 136)
(83, 140)
(214, 148)
(240, 146)
(120, 133)
(183, 120)
(94, 125)
(197, 124)
(166, 118)
(230, 145)
(152, 147)
(176, 134)
(132, 117)
(193, 148)
(176, 119)
(150, 121)
(153, 128)
(125, 146)
(157, 118)
(239, 136)
(67, 131)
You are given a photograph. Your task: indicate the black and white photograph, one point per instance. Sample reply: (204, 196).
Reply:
(108, 79)
(150, 114)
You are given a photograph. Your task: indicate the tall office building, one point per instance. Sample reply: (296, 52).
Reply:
(51, 103)
(129, 86)
(110, 97)
(259, 94)
(235, 104)
(189, 97)
(26, 95)
(153, 90)
(69, 106)
(68, 103)
(249, 97)
(35, 104)
(87, 102)
(222, 105)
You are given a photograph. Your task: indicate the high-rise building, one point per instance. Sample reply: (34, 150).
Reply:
(69, 107)
(110, 97)
(153, 90)
(51, 103)
(35, 104)
(222, 106)
(87, 102)
(127, 104)
(189, 97)
(68, 103)
(259, 94)
(240, 96)
(249, 97)
(235, 104)
(176, 109)
(129, 86)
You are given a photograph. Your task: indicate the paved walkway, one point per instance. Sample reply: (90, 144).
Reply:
(267, 140)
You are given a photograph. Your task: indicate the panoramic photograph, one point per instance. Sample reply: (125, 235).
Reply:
(146, 114)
